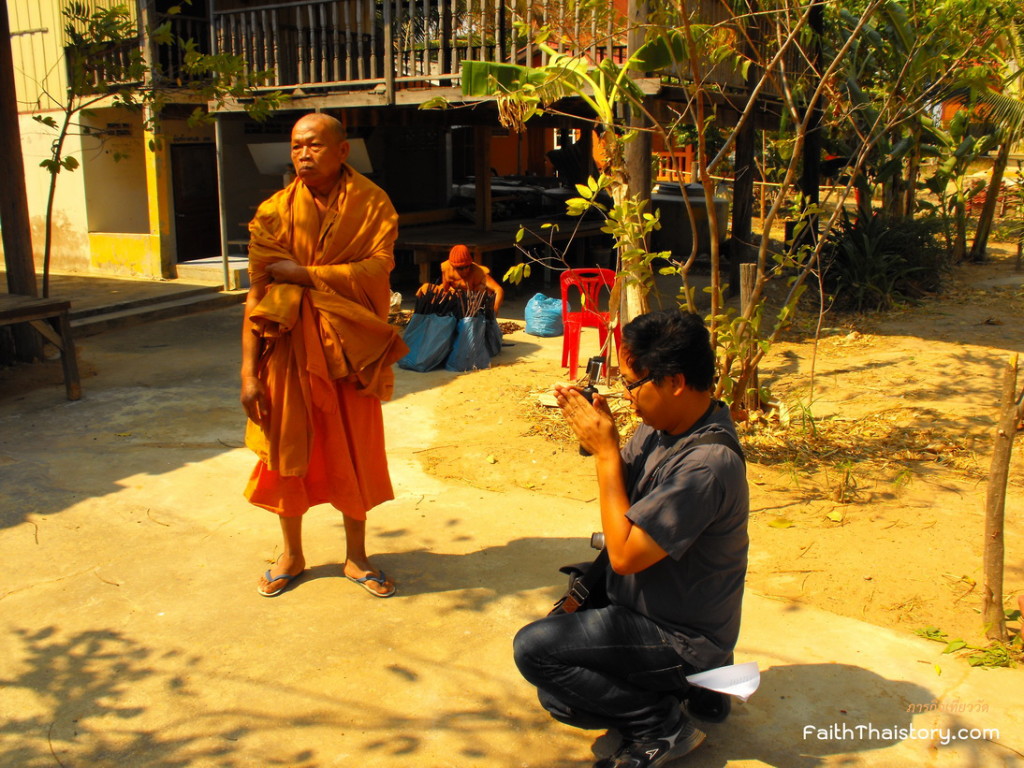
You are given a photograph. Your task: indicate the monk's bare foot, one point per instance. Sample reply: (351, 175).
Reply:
(277, 578)
(365, 575)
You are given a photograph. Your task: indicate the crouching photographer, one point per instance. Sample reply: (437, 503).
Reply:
(674, 507)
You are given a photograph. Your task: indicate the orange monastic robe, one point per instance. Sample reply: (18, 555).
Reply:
(326, 350)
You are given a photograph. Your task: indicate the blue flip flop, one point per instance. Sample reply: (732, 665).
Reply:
(381, 579)
(289, 580)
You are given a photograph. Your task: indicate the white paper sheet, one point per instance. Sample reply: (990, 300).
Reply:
(739, 680)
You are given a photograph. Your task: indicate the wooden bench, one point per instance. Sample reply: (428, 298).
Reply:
(50, 318)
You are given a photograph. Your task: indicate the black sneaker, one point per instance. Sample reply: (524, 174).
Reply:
(651, 754)
(709, 706)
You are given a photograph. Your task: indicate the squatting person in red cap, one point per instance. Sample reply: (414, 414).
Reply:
(461, 273)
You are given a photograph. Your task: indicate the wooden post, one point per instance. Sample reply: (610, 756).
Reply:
(482, 176)
(741, 227)
(995, 507)
(810, 178)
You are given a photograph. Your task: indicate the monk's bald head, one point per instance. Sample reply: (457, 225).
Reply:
(319, 151)
(331, 124)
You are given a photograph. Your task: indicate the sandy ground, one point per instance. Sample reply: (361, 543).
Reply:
(131, 633)
(870, 503)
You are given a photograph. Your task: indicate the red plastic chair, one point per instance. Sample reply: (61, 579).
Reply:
(589, 283)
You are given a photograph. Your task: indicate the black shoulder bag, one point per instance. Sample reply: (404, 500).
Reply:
(587, 581)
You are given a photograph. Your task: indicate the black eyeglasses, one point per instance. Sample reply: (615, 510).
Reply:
(629, 386)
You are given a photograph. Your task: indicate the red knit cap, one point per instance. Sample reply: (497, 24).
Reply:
(459, 256)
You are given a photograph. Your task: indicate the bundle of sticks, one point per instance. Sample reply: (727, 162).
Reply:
(457, 303)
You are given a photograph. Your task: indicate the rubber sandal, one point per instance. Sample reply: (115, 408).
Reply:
(289, 580)
(379, 579)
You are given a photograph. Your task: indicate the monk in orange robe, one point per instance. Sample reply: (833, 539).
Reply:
(317, 350)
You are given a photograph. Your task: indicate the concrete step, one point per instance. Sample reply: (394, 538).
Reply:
(107, 306)
(211, 270)
(123, 317)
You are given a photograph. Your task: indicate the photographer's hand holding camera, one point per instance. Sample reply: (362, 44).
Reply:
(674, 507)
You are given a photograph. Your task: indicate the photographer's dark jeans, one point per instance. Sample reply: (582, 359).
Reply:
(604, 668)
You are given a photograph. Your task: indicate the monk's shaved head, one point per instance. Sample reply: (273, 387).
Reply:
(319, 151)
(331, 124)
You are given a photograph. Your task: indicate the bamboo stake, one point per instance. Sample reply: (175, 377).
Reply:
(995, 507)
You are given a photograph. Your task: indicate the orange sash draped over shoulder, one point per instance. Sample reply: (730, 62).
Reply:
(316, 337)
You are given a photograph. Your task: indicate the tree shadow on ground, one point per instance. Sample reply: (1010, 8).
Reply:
(72, 701)
(99, 698)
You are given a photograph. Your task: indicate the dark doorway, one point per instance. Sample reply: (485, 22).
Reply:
(196, 204)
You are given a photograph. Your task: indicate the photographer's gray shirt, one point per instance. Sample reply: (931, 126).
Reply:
(695, 507)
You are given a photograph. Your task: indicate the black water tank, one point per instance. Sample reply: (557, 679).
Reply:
(675, 234)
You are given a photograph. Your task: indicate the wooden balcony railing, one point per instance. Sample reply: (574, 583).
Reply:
(360, 44)
(170, 58)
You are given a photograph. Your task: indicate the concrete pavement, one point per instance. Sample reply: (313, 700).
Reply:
(131, 633)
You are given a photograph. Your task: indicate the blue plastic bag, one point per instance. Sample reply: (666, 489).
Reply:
(544, 316)
(430, 341)
(470, 350)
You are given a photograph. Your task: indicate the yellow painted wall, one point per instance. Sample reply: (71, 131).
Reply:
(114, 217)
(161, 204)
(107, 216)
(114, 167)
(70, 247)
(119, 253)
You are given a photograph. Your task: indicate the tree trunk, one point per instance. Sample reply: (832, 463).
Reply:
(995, 507)
(959, 232)
(17, 232)
(751, 394)
(15, 228)
(636, 157)
(988, 211)
(913, 169)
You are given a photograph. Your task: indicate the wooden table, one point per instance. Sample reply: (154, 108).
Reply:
(431, 243)
(50, 318)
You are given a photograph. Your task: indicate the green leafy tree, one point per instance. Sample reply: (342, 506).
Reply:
(106, 65)
(864, 74)
(684, 48)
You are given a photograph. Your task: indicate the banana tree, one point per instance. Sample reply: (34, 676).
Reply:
(950, 185)
(523, 92)
(679, 49)
(1006, 112)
